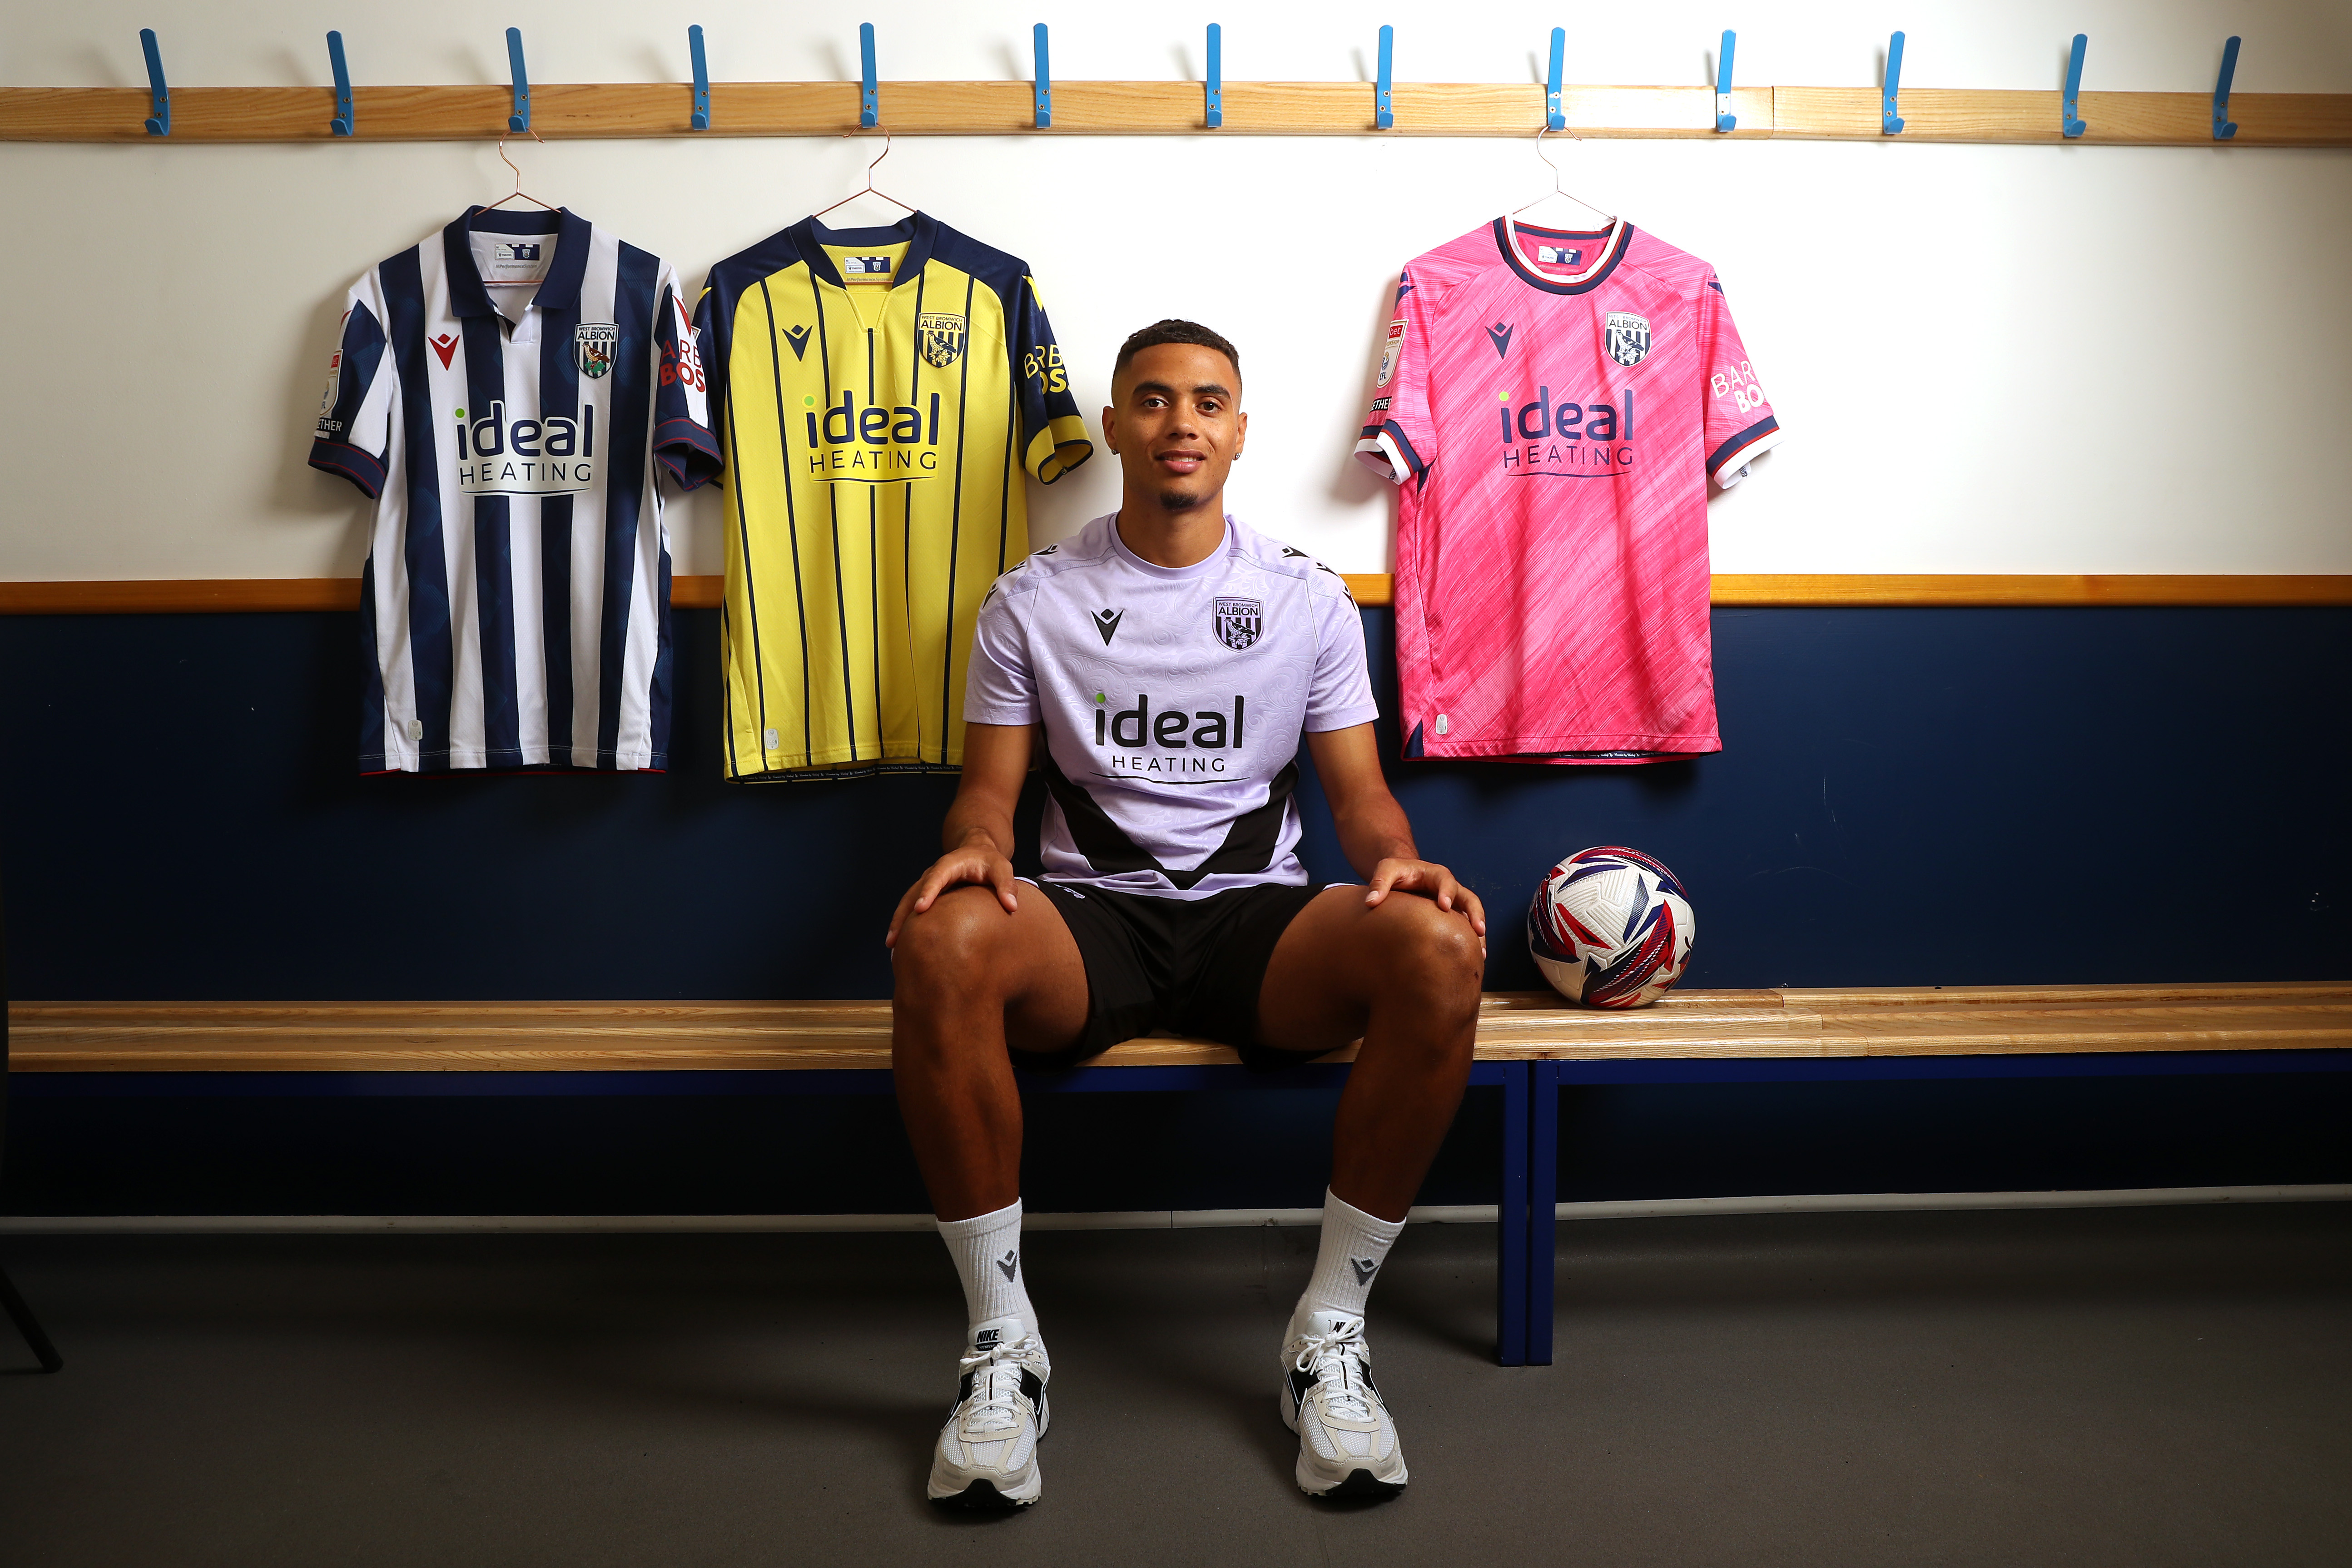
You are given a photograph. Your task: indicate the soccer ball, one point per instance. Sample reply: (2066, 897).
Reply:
(1610, 928)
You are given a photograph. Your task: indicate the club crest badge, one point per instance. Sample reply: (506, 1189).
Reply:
(1240, 622)
(594, 345)
(942, 338)
(1628, 337)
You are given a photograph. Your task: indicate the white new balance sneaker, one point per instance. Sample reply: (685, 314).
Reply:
(987, 1454)
(1347, 1444)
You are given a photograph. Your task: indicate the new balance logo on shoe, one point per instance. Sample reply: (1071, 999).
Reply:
(1107, 621)
(1365, 1268)
(1011, 1264)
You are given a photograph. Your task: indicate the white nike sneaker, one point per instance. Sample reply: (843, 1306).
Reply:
(987, 1454)
(1346, 1444)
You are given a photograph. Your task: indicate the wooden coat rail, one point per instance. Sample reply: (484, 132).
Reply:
(1167, 109)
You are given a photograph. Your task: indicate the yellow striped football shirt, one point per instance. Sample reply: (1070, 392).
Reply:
(880, 394)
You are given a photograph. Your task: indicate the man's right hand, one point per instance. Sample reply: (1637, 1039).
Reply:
(978, 862)
(980, 823)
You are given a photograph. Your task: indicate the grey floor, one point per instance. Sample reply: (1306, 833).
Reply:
(2137, 1388)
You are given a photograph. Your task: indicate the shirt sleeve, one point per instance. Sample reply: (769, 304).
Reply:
(710, 355)
(1399, 441)
(1340, 696)
(683, 443)
(355, 433)
(1054, 432)
(1739, 422)
(1000, 687)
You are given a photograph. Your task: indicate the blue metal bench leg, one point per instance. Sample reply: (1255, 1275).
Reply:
(1511, 1246)
(1543, 1204)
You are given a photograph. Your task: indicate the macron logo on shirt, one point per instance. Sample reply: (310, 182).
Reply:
(1107, 621)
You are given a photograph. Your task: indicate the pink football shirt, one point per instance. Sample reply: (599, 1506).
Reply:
(1552, 404)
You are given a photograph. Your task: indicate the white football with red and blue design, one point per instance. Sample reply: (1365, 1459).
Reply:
(1610, 928)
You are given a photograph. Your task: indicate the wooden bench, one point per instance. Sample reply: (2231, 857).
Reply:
(1530, 1044)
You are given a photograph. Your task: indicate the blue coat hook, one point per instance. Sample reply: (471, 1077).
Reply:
(2222, 128)
(342, 123)
(702, 117)
(869, 103)
(520, 118)
(159, 122)
(1383, 106)
(1213, 103)
(1724, 119)
(2067, 120)
(1045, 80)
(1889, 123)
(1553, 119)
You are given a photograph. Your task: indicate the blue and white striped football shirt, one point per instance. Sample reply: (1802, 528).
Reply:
(503, 392)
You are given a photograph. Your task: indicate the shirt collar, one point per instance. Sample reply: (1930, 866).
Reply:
(559, 290)
(1612, 241)
(917, 231)
(1214, 561)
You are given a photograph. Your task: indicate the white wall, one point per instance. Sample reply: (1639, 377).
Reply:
(2047, 359)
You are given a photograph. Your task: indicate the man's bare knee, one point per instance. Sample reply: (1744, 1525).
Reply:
(954, 949)
(1430, 955)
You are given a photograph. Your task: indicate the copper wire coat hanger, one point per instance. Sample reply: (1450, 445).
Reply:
(870, 189)
(517, 192)
(1557, 187)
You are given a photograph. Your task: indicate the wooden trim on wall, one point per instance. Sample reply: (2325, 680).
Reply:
(200, 595)
(1956, 588)
(168, 597)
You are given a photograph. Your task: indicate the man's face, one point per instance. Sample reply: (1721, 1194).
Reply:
(1176, 423)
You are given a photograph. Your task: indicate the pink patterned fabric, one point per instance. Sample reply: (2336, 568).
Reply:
(1553, 404)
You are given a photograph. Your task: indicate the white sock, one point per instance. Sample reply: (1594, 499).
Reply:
(1354, 1246)
(987, 1253)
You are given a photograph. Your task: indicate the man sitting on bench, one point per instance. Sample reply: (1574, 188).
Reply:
(1169, 657)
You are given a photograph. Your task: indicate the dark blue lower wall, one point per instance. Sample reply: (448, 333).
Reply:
(1906, 797)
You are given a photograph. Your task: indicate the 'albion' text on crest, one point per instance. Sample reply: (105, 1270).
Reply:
(594, 345)
(942, 338)
(1629, 338)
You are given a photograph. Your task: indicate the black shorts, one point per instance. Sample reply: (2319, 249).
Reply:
(1192, 966)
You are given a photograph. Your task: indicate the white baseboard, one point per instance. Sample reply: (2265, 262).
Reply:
(1134, 1220)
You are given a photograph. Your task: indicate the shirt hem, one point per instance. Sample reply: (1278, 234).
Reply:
(1729, 464)
(347, 461)
(1226, 882)
(751, 761)
(1347, 719)
(996, 715)
(1601, 749)
(823, 774)
(454, 762)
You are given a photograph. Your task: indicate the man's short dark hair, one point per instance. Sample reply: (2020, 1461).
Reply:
(1173, 330)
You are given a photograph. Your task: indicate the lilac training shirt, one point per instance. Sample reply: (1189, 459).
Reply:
(1173, 699)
